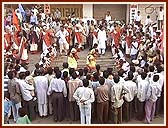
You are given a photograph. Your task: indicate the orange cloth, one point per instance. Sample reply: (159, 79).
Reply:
(129, 41)
(68, 38)
(116, 38)
(47, 38)
(16, 21)
(78, 37)
(7, 37)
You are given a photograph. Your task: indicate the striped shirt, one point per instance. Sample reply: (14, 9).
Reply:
(6, 83)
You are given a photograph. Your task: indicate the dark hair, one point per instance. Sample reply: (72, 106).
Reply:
(121, 72)
(56, 69)
(101, 81)
(132, 68)
(88, 76)
(17, 68)
(143, 75)
(85, 82)
(11, 66)
(36, 72)
(65, 65)
(160, 69)
(85, 70)
(80, 72)
(146, 65)
(105, 74)
(71, 70)
(22, 112)
(110, 71)
(21, 75)
(155, 78)
(151, 68)
(10, 75)
(158, 51)
(96, 76)
(97, 67)
(58, 74)
(65, 74)
(37, 65)
(27, 73)
(17, 61)
(146, 69)
(50, 70)
(74, 75)
(130, 75)
(116, 78)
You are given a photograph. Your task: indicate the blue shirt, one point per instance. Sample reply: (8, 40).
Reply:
(7, 106)
(33, 19)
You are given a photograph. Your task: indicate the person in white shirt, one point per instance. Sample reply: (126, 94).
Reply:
(117, 99)
(151, 98)
(159, 108)
(41, 87)
(150, 73)
(84, 97)
(134, 49)
(108, 17)
(148, 21)
(160, 18)
(61, 35)
(138, 19)
(26, 95)
(35, 11)
(58, 91)
(129, 97)
(141, 95)
(102, 38)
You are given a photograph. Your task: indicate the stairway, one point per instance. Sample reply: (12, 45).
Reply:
(105, 61)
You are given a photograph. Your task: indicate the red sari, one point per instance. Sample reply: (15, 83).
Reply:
(116, 37)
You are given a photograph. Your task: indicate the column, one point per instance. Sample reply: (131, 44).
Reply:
(87, 10)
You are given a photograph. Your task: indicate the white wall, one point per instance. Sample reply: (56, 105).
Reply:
(87, 10)
(150, 7)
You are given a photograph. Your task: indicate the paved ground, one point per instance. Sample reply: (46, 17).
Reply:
(104, 61)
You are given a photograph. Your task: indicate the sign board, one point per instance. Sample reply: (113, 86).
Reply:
(133, 11)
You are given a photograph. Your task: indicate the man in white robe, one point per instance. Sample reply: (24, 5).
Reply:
(41, 87)
(61, 35)
(102, 40)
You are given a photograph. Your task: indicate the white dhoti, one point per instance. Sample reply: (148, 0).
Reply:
(24, 55)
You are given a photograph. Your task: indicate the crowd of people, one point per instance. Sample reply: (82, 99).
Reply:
(134, 91)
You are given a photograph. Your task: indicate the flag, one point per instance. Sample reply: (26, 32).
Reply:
(22, 11)
(15, 21)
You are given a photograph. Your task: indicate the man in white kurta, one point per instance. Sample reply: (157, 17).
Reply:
(141, 94)
(134, 49)
(61, 35)
(41, 87)
(129, 97)
(102, 40)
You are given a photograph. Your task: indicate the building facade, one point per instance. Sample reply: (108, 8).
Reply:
(98, 11)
